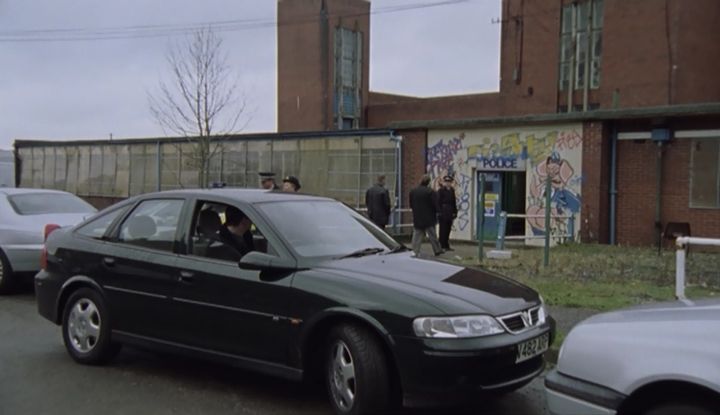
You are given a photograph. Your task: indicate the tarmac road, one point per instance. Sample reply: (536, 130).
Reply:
(38, 377)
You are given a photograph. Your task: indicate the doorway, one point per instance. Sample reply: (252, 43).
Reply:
(505, 191)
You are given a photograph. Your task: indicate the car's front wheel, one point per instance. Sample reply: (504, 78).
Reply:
(357, 375)
(86, 328)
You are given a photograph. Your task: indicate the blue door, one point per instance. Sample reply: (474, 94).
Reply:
(493, 203)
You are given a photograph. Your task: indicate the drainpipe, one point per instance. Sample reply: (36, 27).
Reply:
(398, 177)
(613, 183)
(588, 57)
(658, 198)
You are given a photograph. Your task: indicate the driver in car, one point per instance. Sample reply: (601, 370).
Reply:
(236, 231)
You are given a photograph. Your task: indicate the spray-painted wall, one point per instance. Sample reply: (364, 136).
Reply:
(545, 150)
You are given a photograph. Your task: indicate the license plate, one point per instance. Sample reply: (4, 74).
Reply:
(533, 347)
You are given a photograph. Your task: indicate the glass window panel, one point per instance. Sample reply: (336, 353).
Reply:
(26, 166)
(169, 175)
(122, 173)
(94, 178)
(38, 157)
(189, 165)
(704, 191)
(152, 224)
(582, 15)
(60, 169)
(49, 168)
(597, 14)
(567, 19)
(234, 162)
(137, 169)
(83, 186)
(73, 165)
(109, 168)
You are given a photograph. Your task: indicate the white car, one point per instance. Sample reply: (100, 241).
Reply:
(660, 359)
(23, 216)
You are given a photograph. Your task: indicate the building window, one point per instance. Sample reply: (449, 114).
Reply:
(705, 173)
(581, 44)
(348, 82)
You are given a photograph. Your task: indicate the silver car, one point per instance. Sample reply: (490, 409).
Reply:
(651, 360)
(23, 216)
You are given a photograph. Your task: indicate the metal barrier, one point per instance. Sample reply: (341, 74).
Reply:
(395, 219)
(502, 228)
(682, 243)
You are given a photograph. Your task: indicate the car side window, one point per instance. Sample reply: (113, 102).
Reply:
(152, 224)
(224, 232)
(97, 227)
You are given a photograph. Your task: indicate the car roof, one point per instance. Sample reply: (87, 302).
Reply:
(10, 191)
(240, 194)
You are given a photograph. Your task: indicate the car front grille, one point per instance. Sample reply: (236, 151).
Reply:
(521, 321)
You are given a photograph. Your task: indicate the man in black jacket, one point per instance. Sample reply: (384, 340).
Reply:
(377, 200)
(447, 211)
(423, 202)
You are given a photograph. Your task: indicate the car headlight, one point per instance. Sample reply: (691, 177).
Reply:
(456, 327)
(542, 313)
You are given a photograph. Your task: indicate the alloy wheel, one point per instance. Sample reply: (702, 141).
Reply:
(342, 376)
(84, 325)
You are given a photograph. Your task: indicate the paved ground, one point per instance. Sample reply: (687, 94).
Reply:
(38, 377)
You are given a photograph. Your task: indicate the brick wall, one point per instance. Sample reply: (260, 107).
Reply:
(595, 199)
(637, 194)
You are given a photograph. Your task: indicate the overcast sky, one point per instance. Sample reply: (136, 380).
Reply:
(88, 89)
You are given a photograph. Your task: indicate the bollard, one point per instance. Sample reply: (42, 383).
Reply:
(481, 218)
(571, 228)
(548, 211)
(502, 226)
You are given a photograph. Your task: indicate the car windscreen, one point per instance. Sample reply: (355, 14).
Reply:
(48, 203)
(324, 228)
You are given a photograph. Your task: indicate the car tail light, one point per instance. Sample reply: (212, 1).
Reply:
(49, 228)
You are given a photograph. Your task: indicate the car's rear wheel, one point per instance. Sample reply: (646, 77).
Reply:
(86, 328)
(6, 275)
(356, 370)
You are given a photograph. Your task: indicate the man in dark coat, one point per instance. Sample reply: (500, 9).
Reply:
(423, 202)
(377, 200)
(447, 211)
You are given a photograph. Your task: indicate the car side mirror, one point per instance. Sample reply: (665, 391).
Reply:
(259, 261)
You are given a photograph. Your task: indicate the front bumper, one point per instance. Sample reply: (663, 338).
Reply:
(23, 258)
(570, 396)
(448, 371)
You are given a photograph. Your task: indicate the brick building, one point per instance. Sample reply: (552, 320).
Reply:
(615, 100)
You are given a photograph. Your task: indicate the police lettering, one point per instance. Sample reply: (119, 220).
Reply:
(499, 163)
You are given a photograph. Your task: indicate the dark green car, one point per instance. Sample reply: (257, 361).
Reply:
(320, 292)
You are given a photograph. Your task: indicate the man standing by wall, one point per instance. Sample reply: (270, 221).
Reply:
(377, 201)
(447, 211)
(423, 202)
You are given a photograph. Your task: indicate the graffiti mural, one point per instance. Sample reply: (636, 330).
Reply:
(542, 152)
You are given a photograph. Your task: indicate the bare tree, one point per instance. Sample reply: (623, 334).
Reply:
(200, 101)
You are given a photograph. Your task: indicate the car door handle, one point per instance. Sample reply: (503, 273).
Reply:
(108, 261)
(187, 277)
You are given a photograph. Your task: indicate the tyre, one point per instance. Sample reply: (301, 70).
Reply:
(6, 275)
(676, 408)
(86, 328)
(357, 374)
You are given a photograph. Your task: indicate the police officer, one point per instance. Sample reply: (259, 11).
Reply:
(447, 211)
(267, 181)
(291, 184)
